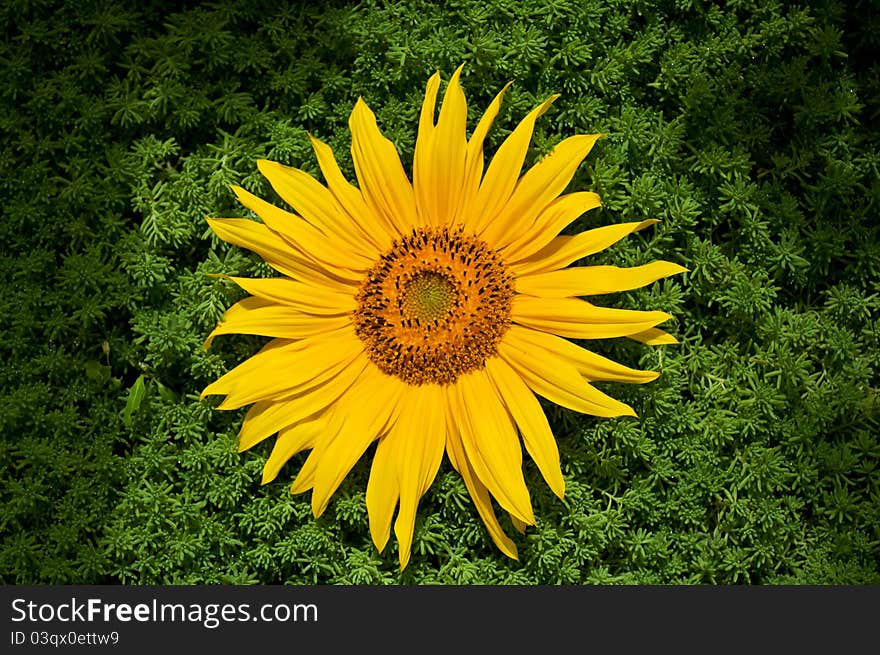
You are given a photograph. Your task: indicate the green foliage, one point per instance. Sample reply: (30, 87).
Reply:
(748, 127)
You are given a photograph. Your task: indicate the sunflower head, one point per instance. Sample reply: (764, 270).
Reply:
(426, 316)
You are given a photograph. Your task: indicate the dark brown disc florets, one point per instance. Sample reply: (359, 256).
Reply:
(434, 306)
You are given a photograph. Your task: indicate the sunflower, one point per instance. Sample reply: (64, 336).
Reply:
(426, 316)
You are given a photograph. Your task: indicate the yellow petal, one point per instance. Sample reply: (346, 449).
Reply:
(594, 280)
(306, 476)
(578, 319)
(363, 414)
(503, 172)
(425, 194)
(383, 491)
(557, 380)
(316, 204)
(269, 319)
(551, 221)
(308, 298)
(491, 444)
(653, 337)
(418, 440)
(383, 181)
(438, 165)
(350, 199)
(267, 417)
(537, 188)
(291, 441)
(592, 366)
(296, 386)
(277, 252)
(530, 418)
(473, 167)
(477, 490)
(327, 253)
(269, 355)
(287, 368)
(564, 250)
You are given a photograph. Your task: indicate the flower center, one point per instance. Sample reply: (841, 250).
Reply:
(434, 306)
(429, 296)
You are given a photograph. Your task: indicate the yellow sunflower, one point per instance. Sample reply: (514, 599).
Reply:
(425, 316)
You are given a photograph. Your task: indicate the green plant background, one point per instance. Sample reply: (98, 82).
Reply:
(748, 127)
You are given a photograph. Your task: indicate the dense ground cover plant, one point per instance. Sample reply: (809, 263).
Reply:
(748, 127)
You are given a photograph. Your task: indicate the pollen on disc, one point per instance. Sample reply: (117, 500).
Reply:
(434, 306)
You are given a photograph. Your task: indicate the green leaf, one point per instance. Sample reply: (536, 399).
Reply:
(135, 398)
